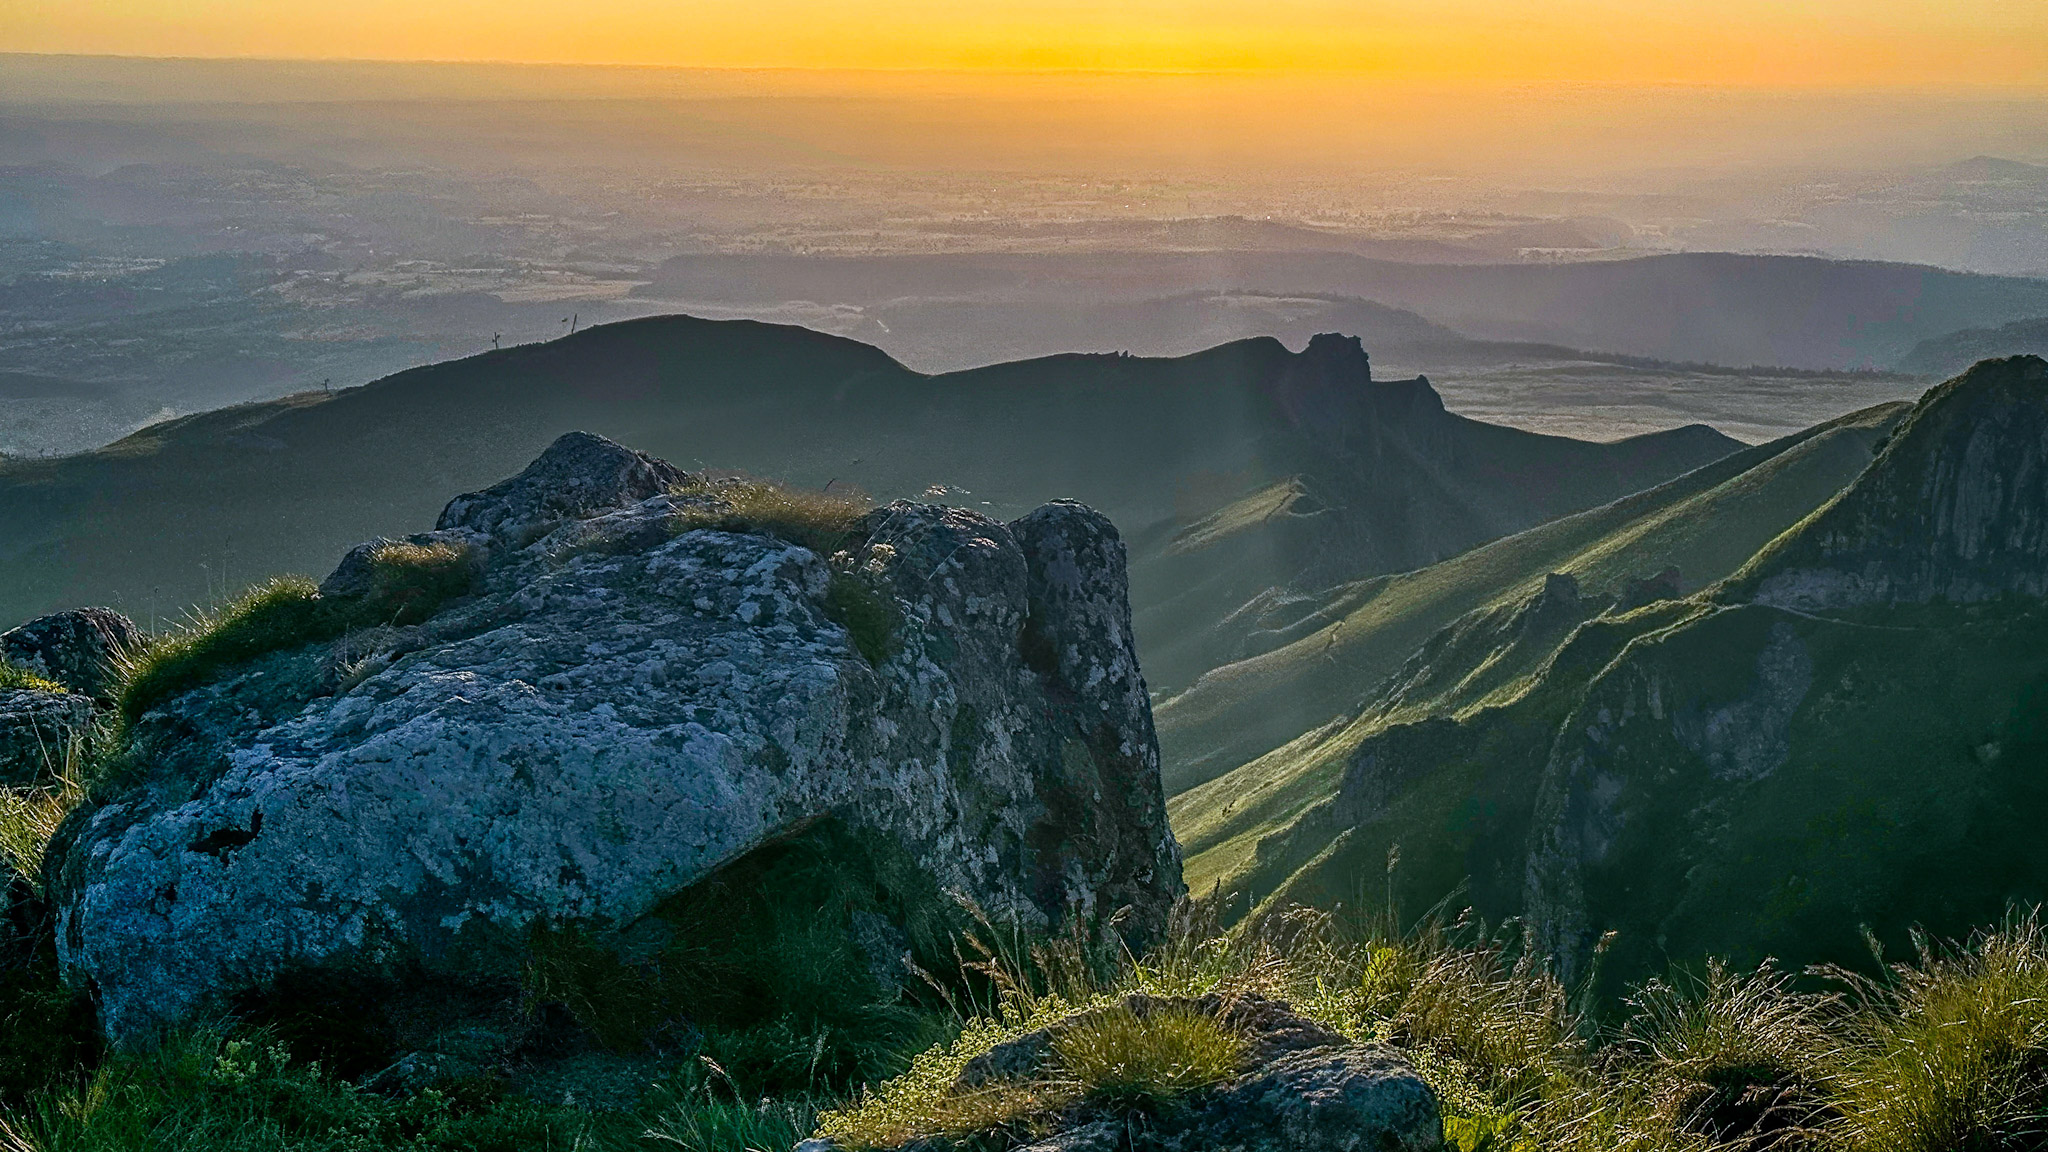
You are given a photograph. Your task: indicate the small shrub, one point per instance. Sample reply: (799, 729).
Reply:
(868, 616)
(1119, 1056)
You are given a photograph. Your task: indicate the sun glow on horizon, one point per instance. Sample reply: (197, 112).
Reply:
(1731, 42)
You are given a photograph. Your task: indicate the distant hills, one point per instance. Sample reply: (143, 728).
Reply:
(1791, 311)
(1246, 472)
(1845, 729)
(1949, 354)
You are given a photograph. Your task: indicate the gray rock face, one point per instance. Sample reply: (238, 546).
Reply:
(623, 707)
(75, 649)
(1954, 508)
(36, 728)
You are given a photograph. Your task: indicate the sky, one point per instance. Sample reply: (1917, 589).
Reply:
(1787, 43)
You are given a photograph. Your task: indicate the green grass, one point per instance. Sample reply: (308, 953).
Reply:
(1950, 1053)
(1118, 1055)
(409, 583)
(14, 676)
(281, 613)
(1707, 523)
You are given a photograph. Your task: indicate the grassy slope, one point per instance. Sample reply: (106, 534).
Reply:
(1706, 523)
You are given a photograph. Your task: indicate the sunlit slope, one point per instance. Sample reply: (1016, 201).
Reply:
(1462, 635)
(1848, 735)
(189, 510)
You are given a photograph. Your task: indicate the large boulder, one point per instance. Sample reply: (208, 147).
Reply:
(76, 649)
(626, 705)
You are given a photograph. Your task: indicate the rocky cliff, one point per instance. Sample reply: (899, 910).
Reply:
(634, 690)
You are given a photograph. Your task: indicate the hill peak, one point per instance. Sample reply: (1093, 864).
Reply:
(1951, 508)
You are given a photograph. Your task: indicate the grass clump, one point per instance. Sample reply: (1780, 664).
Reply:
(408, 583)
(824, 522)
(1732, 1056)
(1951, 1052)
(1121, 1056)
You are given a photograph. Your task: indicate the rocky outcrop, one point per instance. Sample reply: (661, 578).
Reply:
(1954, 508)
(76, 649)
(624, 704)
(1305, 1088)
(36, 732)
(70, 658)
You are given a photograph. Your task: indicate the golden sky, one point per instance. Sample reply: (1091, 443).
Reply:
(1738, 42)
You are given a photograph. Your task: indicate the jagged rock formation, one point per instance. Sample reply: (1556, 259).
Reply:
(1852, 717)
(623, 706)
(1849, 728)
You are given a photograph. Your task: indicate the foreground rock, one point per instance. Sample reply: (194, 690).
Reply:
(621, 707)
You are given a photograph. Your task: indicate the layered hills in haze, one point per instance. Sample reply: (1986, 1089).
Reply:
(1245, 474)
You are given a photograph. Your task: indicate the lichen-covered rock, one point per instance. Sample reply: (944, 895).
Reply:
(580, 474)
(76, 649)
(36, 731)
(623, 706)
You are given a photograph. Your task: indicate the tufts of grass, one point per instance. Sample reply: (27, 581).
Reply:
(281, 613)
(29, 818)
(1120, 1056)
(824, 522)
(199, 1091)
(1951, 1052)
(410, 582)
(1733, 1056)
